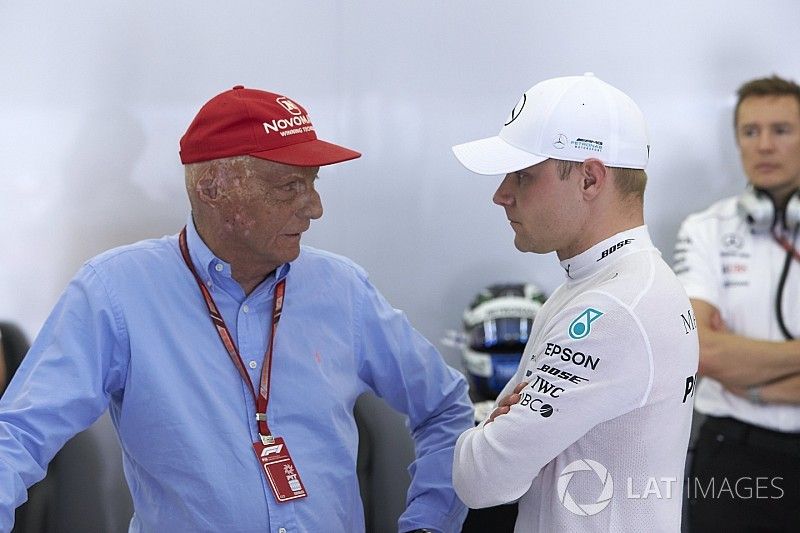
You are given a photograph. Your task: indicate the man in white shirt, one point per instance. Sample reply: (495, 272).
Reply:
(592, 432)
(738, 260)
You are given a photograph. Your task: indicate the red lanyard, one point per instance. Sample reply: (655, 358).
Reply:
(785, 244)
(262, 398)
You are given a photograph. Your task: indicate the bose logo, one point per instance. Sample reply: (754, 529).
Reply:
(563, 374)
(611, 250)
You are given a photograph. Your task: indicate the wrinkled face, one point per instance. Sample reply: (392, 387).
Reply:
(768, 134)
(544, 210)
(266, 208)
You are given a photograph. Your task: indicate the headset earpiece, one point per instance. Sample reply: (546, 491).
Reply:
(791, 215)
(758, 208)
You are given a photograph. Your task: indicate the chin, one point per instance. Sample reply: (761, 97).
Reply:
(285, 255)
(524, 246)
(534, 248)
(771, 183)
(292, 256)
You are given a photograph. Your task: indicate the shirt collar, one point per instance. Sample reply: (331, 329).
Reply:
(209, 266)
(607, 252)
(205, 262)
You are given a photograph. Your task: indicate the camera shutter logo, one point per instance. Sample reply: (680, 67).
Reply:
(585, 509)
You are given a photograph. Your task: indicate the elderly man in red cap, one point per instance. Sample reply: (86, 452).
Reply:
(231, 357)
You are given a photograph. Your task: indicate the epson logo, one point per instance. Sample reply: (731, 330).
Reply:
(563, 374)
(284, 123)
(576, 358)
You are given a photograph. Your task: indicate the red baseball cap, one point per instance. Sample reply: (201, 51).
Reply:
(260, 124)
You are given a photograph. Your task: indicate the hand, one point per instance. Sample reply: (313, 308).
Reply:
(717, 324)
(505, 403)
(738, 391)
(712, 345)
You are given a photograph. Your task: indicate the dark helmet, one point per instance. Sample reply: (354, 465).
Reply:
(497, 325)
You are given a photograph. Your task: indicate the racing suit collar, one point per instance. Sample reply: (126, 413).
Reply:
(607, 252)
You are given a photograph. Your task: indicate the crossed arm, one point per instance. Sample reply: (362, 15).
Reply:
(739, 362)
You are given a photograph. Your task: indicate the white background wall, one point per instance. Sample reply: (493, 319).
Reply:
(95, 94)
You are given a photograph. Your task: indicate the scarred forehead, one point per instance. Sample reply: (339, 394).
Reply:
(272, 171)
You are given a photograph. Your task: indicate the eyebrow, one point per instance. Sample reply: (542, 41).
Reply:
(775, 123)
(288, 178)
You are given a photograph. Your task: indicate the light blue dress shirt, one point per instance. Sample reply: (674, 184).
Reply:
(132, 333)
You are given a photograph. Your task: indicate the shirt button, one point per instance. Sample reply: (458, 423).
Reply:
(246, 308)
(253, 364)
(281, 530)
(219, 267)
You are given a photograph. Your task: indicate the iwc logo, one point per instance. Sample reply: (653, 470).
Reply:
(560, 141)
(585, 509)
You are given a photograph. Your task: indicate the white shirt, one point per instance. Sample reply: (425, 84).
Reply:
(611, 364)
(720, 261)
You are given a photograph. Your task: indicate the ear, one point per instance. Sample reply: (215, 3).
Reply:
(207, 187)
(593, 178)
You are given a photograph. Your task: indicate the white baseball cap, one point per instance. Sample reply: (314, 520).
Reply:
(573, 118)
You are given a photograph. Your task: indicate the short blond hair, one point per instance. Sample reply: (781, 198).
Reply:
(629, 181)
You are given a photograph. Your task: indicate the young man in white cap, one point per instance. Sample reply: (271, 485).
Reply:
(231, 357)
(591, 433)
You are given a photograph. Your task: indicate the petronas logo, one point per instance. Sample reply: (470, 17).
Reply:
(582, 325)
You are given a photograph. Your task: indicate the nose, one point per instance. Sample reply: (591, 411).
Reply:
(503, 196)
(765, 141)
(312, 205)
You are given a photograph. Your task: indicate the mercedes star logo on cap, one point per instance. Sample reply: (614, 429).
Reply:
(560, 141)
